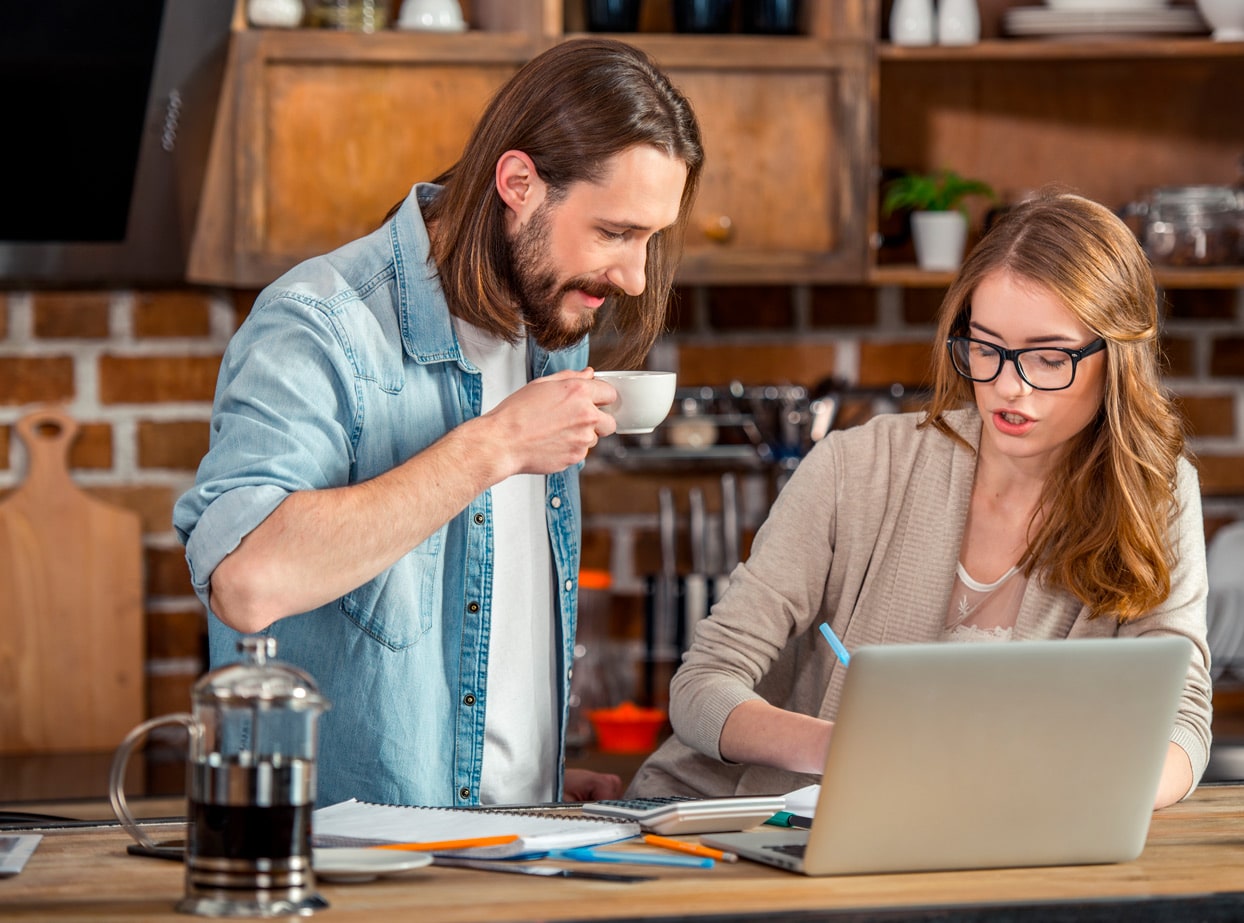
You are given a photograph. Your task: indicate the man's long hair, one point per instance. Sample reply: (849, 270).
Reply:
(1106, 510)
(570, 110)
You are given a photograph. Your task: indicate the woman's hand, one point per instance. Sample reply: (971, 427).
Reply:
(1176, 777)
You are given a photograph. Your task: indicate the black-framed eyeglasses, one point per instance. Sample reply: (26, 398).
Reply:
(1046, 368)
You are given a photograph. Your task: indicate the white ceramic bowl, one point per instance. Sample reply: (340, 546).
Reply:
(1225, 17)
(432, 16)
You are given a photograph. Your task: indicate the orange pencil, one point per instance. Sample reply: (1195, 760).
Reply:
(445, 845)
(694, 848)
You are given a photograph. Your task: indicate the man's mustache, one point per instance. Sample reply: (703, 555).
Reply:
(592, 288)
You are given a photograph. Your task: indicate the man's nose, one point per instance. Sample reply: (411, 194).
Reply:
(629, 273)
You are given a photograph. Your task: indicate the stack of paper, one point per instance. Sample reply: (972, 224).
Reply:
(355, 823)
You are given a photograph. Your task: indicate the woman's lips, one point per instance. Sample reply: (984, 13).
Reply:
(1011, 423)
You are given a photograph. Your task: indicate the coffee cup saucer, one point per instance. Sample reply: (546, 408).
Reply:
(350, 864)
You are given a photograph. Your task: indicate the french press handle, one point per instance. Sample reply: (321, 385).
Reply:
(121, 759)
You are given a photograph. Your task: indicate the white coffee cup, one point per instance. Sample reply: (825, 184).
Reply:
(644, 399)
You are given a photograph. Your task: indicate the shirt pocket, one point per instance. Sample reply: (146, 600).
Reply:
(396, 607)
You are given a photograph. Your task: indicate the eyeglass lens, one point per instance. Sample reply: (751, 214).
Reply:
(1048, 369)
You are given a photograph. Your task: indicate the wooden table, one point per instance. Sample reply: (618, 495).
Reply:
(1192, 868)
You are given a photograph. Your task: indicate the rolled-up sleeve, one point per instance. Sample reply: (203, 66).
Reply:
(283, 420)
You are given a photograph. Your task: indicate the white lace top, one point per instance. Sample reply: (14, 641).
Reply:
(984, 611)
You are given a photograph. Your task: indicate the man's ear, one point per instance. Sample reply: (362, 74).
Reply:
(519, 185)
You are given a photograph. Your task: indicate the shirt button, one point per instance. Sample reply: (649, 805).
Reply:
(464, 793)
(468, 699)
(556, 503)
(479, 519)
(472, 607)
(569, 585)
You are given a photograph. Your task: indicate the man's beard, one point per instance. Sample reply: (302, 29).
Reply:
(539, 293)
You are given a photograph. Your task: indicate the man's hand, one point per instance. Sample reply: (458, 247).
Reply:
(551, 423)
(585, 785)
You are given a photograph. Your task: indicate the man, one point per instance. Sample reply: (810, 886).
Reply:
(391, 489)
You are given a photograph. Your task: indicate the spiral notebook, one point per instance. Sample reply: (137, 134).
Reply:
(361, 823)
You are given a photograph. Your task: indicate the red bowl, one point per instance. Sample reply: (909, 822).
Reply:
(627, 728)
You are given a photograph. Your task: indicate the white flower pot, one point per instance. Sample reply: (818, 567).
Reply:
(939, 238)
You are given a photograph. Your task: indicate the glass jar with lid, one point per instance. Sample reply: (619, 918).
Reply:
(1192, 225)
(349, 15)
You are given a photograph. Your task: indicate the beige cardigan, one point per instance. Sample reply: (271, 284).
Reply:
(866, 536)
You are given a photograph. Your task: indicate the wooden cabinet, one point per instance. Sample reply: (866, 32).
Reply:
(324, 131)
(321, 132)
(329, 131)
(784, 189)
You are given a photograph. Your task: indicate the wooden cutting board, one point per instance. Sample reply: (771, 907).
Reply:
(71, 616)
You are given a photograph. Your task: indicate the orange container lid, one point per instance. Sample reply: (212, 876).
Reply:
(595, 579)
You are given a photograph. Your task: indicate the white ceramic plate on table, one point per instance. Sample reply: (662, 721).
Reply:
(1097, 5)
(355, 864)
(1038, 21)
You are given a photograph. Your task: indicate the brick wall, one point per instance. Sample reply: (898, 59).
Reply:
(137, 370)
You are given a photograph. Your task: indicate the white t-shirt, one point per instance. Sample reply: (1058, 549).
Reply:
(520, 725)
(984, 611)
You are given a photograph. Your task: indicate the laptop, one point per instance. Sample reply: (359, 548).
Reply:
(996, 755)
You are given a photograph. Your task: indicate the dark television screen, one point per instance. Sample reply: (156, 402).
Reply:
(109, 108)
(81, 71)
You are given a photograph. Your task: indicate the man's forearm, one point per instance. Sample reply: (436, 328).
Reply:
(320, 544)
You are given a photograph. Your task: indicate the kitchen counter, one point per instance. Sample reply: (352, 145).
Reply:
(1188, 870)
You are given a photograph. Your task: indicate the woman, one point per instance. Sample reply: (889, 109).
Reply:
(1043, 494)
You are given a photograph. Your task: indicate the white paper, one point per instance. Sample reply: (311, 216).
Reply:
(802, 801)
(15, 850)
(376, 823)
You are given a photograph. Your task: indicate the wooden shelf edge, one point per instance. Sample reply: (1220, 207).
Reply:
(911, 276)
(754, 52)
(309, 45)
(1022, 49)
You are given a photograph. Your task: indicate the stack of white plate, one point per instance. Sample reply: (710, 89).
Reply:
(1102, 18)
(1098, 6)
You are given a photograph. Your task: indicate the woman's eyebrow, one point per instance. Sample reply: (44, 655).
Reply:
(1051, 338)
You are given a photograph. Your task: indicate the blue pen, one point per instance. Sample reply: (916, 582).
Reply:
(837, 645)
(585, 854)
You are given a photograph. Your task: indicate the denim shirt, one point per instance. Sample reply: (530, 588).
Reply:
(346, 367)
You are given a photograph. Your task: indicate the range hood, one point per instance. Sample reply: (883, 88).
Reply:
(109, 109)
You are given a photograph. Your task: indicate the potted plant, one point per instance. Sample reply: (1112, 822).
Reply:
(939, 218)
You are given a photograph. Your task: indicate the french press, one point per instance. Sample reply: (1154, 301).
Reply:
(250, 785)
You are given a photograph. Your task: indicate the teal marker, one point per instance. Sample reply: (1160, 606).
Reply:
(787, 819)
(837, 645)
(587, 854)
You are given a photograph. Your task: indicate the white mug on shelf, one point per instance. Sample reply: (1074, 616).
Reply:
(912, 22)
(958, 22)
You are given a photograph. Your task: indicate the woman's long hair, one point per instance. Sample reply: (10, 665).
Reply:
(570, 109)
(1106, 510)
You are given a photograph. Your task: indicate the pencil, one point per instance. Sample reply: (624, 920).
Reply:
(694, 848)
(438, 845)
